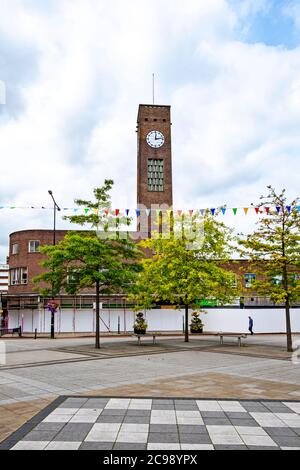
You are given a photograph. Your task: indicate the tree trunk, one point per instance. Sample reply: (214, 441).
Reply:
(287, 308)
(186, 326)
(288, 327)
(97, 342)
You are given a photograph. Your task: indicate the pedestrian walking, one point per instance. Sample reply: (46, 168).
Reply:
(250, 325)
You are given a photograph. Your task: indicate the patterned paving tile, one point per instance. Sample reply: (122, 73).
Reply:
(83, 423)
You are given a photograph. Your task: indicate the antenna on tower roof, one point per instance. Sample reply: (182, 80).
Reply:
(153, 87)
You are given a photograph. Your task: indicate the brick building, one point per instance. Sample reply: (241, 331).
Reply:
(154, 189)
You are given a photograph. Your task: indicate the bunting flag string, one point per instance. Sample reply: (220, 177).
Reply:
(214, 211)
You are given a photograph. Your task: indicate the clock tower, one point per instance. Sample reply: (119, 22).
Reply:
(154, 159)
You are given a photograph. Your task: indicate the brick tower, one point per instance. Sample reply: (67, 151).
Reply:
(154, 159)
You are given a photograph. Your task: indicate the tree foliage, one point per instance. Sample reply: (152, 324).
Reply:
(82, 259)
(180, 271)
(274, 251)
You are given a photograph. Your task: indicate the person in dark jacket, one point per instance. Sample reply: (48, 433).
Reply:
(250, 325)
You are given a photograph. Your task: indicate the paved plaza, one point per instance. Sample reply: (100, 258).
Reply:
(160, 424)
(214, 385)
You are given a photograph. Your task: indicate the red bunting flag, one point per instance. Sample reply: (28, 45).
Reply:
(256, 209)
(179, 212)
(106, 211)
(191, 212)
(117, 212)
(267, 210)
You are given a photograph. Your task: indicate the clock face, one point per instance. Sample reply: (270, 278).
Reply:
(155, 139)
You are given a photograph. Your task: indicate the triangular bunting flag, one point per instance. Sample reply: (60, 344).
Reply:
(288, 208)
(86, 211)
(179, 212)
(297, 207)
(246, 210)
(213, 210)
(223, 209)
(202, 211)
(106, 211)
(127, 212)
(256, 209)
(191, 212)
(278, 209)
(117, 211)
(138, 212)
(234, 209)
(148, 212)
(267, 210)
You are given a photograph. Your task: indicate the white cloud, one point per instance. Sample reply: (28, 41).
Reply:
(235, 106)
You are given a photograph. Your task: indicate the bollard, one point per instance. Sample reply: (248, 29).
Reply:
(20, 331)
(183, 328)
(35, 333)
(118, 325)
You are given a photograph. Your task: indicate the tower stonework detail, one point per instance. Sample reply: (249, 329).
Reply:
(154, 158)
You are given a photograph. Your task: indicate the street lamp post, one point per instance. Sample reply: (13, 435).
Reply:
(55, 207)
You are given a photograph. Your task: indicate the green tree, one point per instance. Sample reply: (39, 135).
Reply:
(91, 258)
(185, 267)
(274, 250)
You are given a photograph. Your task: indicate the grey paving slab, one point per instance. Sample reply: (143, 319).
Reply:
(49, 427)
(218, 421)
(110, 419)
(96, 446)
(163, 437)
(191, 429)
(287, 441)
(40, 435)
(136, 419)
(129, 446)
(195, 439)
(138, 413)
(275, 432)
(186, 407)
(213, 414)
(233, 447)
(156, 406)
(243, 422)
(123, 429)
(73, 432)
(164, 428)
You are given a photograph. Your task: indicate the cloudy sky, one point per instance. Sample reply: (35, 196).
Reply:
(75, 72)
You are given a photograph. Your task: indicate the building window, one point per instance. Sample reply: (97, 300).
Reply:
(33, 246)
(15, 276)
(24, 275)
(155, 174)
(277, 280)
(18, 276)
(15, 248)
(72, 277)
(249, 278)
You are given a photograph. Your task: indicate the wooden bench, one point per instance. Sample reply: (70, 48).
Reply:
(7, 331)
(139, 336)
(239, 337)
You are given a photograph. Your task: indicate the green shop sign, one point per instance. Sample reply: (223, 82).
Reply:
(207, 302)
